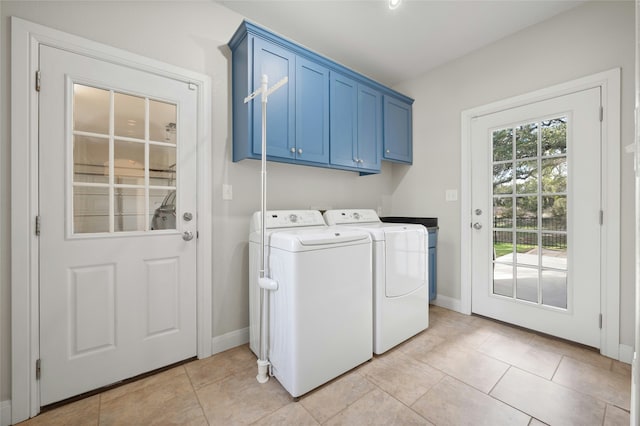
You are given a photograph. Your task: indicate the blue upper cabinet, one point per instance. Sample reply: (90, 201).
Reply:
(369, 128)
(344, 117)
(326, 115)
(398, 139)
(276, 63)
(356, 125)
(312, 112)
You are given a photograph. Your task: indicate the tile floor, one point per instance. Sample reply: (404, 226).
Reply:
(463, 370)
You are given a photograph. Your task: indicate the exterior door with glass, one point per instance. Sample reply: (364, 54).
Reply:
(117, 200)
(536, 218)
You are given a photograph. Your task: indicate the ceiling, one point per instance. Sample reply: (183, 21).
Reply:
(392, 46)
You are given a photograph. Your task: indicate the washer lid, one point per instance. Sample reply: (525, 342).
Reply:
(312, 239)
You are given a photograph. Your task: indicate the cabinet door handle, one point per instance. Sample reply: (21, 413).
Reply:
(293, 150)
(388, 151)
(299, 150)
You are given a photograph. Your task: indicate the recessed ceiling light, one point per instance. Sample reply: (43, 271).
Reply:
(393, 4)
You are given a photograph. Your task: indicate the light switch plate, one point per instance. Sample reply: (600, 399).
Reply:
(227, 192)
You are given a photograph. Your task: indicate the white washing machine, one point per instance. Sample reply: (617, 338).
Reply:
(400, 277)
(321, 314)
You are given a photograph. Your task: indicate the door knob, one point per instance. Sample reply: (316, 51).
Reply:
(187, 235)
(477, 225)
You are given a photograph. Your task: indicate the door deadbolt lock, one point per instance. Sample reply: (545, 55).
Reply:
(478, 212)
(187, 235)
(187, 216)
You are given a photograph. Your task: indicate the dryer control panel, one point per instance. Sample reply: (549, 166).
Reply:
(287, 219)
(348, 216)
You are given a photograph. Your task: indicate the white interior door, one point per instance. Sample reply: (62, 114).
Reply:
(536, 206)
(117, 168)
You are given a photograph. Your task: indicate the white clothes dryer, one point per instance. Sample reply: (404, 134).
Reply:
(320, 317)
(400, 275)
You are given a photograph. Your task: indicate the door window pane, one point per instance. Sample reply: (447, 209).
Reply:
(90, 159)
(503, 145)
(527, 213)
(503, 279)
(503, 212)
(162, 122)
(129, 210)
(527, 248)
(554, 288)
(503, 246)
(90, 109)
(129, 120)
(129, 162)
(162, 165)
(90, 209)
(554, 175)
(554, 136)
(503, 178)
(554, 213)
(527, 141)
(162, 208)
(527, 284)
(527, 177)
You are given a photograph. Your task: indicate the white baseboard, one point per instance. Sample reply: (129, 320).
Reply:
(5, 413)
(448, 302)
(626, 353)
(230, 340)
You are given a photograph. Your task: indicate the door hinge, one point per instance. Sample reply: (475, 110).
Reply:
(37, 225)
(38, 81)
(601, 114)
(38, 368)
(600, 321)
(601, 217)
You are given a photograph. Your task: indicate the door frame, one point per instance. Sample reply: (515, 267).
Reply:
(609, 84)
(26, 37)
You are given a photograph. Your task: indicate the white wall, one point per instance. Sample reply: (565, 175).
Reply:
(192, 35)
(592, 38)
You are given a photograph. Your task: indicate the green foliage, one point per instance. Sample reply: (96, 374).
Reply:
(516, 170)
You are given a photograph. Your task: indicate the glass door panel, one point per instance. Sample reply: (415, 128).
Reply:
(530, 184)
(124, 147)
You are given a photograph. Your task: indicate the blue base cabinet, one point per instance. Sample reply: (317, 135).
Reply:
(325, 116)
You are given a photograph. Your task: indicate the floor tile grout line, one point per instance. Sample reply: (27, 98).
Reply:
(606, 402)
(506, 403)
(193, 388)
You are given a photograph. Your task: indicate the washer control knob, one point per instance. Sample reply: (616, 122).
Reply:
(293, 218)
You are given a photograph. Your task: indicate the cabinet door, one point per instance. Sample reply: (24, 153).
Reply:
(397, 130)
(344, 117)
(369, 128)
(312, 112)
(276, 63)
